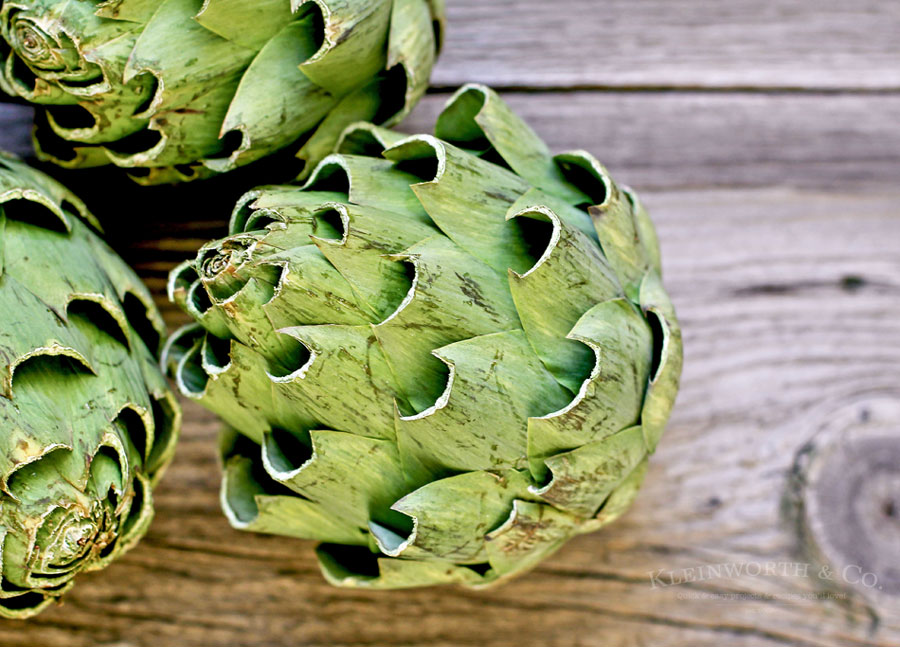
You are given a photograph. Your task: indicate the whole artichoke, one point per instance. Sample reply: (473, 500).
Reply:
(179, 89)
(87, 423)
(444, 356)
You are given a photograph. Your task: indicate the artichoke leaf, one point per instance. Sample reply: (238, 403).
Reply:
(369, 182)
(293, 104)
(646, 231)
(453, 515)
(361, 254)
(453, 297)
(248, 506)
(368, 140)
(619, 501)
(411, 44)
(611, 398)
(20, 182)
(241, 392)
(477, 118)
(183, 136)
(360, 104)
(166, 423)
(496, 382)
(40, 92)
(185, 288)
(312, 291)
(139, 11)
(663, 385)
(361, 569)
(107, 100)
(630, 250)
(354, 48)
(137, 518)
(250, 24)
(572, 216)
(48, 146)
(438, 10)
(93, 274)
(262, 286)
(26, 339)
(465, 196)
(250, 324)
(532, 532)
(198, 69)
(26, 602)
(277, 202)
(572, 264)
(355, 478)
(187, 66)
(585, 477)
(349, 356)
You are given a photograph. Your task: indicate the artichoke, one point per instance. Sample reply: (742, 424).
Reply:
(442, 357)
(87, 423)
(180, 89)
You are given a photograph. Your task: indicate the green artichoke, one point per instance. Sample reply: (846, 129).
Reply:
(442, 357)
(180, 89)
(87, 423)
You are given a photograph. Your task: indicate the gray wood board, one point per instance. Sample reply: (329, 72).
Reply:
(763, 136)
(800, 44)
(702, 139)
(789, 300)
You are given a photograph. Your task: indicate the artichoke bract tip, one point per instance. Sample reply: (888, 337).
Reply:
(441, 357)
(87, 422)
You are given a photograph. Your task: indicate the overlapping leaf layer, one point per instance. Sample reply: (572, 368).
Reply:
(179, 89)
(87, 423)
(442, 357)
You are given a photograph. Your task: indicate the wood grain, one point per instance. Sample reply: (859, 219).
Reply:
(789, 301)
(762, 135)
(665, 140)
(796, 44)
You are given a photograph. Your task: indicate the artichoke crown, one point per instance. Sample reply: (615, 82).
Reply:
(87, 423)
(443, 356)
(180, 89)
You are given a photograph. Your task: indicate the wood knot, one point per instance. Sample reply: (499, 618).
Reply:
(848, 482)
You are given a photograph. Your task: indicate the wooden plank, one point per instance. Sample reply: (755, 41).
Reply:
(789, 302)
(677, 139)
(822, 44)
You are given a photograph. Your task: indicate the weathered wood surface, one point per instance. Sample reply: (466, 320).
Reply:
(669, 140)
(779, 214)
(811, 44)
(789, 300)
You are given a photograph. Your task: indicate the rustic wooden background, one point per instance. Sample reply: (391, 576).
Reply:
(765, 137)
